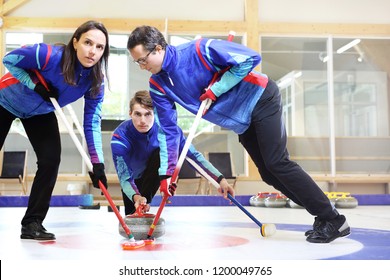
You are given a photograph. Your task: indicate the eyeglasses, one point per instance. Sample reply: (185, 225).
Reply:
(143, 60)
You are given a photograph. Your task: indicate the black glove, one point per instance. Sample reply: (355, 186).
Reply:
(98, 174)
(44, 93)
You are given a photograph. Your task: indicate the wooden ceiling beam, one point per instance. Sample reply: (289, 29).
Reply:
(120, 25)
(11, 5)
(204, 27)
(318, 29)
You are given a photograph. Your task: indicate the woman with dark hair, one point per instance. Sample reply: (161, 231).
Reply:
(71, 71)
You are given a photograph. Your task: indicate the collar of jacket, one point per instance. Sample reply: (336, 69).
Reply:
(170, 59)
(81, 70)
(138, 134)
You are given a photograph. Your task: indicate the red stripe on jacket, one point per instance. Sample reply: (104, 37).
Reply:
(8, 80)
(49, 51)
(153, 82)
(201, 56)
(256, 79)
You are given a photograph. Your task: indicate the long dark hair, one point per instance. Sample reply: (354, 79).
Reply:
(69, 58)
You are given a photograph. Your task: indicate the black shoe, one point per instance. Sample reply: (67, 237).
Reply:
(317, 223)
(36, 231)
(329, 230)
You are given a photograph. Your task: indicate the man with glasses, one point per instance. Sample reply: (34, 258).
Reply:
(245, 101)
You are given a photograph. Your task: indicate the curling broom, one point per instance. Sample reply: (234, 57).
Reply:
(179, 164)
(265, 229)
(132, 243)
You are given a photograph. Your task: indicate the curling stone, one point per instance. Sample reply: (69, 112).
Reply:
(261, 197)
(345, 200)
(292, 204)
(252, 200)
(139, 225)
(257, 200)
(276, 200)
(332, 197)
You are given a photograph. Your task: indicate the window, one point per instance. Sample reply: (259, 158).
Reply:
(359, 82)
(335, 100)
(117, 96)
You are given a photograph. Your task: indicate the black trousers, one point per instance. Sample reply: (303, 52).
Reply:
(44, 136)
(148, 184)
(266, 143)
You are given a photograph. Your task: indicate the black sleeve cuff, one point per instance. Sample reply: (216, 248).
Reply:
(163, 177)
(220, 179)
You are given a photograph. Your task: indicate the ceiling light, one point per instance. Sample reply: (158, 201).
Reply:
(348, 46)
(298, 74)
(284, 82)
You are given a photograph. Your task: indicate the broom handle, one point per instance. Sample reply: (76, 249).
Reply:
(85, 156)
(201, 111)
(90, 166)
(215, 184)
(179, 164)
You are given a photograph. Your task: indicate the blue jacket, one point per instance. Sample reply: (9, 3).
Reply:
(131, 151)
(17, 93)
(187, 70)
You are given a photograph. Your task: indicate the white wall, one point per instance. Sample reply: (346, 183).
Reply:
(330, 11)
(135, 9)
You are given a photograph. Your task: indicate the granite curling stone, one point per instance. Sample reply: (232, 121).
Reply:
(139, 226)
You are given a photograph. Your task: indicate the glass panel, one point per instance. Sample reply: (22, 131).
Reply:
(117, 97)
(360, 74)
(316, 109)
(361, 91)
(361, 70)
(298, 65)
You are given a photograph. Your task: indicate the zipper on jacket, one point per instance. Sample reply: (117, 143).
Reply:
(78, 80)
(169, 77)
